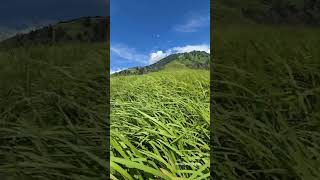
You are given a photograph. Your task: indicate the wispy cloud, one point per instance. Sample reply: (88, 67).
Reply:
(158, 55)
(112, 71)
(7, 32)
(190, 48)
(128, 53)
(193, 24)
(132, 55)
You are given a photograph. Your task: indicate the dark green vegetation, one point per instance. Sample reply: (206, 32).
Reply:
(305, 12)
(53, 111)
(86, 29)
(265, 104)
(193, 60)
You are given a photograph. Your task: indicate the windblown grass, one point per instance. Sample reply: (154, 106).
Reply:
(160, 125)
(265, 103)
(53, 112)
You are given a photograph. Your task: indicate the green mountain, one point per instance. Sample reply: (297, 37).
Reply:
(84, 29)
(194, 60)
(306, 12)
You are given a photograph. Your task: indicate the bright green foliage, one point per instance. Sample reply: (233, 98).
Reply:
(160, 125)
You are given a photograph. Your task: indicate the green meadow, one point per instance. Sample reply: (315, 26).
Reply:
(160, 125)
(53, 112)
(265, 102)
(55, 121)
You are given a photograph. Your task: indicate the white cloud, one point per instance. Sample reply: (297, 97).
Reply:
(190, 48)
(131, 54)
(158, 55)
(112, 71)
(128, 53)
(7, 32)
(193, 24)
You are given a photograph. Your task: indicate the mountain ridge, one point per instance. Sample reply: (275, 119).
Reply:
(83, 29)
(268, 12)
(193, 60)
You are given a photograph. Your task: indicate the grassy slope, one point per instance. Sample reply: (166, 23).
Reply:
(159, 120)
(193, 60)
(53, 117)
(265, 103)
(84, 29)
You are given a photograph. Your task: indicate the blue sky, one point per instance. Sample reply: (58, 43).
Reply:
(144, 31)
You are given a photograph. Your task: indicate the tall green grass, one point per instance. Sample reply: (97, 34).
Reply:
(53, 112)
(160, 125)
(265, 103)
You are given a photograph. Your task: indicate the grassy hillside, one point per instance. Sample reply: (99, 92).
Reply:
(265, 103)
(85, 29)
(294, 12)
(265, 99)
(193, 60)
(53, 112)
(160, 125)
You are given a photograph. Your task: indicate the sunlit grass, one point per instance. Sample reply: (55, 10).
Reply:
(160, 125)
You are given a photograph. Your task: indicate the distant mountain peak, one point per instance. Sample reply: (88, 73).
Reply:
(83, 29)
(193, 59)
